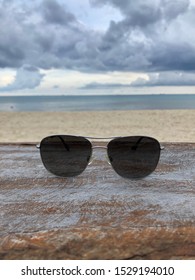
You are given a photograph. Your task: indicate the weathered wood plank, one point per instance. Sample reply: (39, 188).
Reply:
(97, 214)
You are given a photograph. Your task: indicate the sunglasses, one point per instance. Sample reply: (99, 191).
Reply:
(130, 156)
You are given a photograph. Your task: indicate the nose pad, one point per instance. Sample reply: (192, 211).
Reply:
(109, 159)
(90, 160)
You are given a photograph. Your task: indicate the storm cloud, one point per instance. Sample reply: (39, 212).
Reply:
(152, 36)
(96, 85)
(27, 77)
(166, 79)
(53, 13)
(45, 35)
(143, 13)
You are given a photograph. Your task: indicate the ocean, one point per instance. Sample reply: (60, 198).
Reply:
(96, 103)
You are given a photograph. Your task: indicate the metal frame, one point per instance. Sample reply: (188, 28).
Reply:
(98, 147)
(100, 138)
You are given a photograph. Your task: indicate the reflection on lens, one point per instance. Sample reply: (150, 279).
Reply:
(65, 156)
(134, 156)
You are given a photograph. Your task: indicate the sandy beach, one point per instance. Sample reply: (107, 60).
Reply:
(165, 125)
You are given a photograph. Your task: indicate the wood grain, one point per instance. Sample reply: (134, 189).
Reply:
(97, 215)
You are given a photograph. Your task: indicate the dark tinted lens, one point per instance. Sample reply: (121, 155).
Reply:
(134, 157)
(65, 156)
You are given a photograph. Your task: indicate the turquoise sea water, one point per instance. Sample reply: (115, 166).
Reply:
(96, 103)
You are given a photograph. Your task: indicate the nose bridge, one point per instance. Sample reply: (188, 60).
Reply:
(98, 147)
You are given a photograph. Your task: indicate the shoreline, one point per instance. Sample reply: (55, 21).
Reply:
(164, 125)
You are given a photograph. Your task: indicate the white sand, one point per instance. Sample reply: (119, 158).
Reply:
(165, 125)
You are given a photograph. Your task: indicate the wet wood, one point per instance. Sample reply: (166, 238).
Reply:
(97, 215)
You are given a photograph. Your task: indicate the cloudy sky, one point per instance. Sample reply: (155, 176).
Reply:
(97, 46)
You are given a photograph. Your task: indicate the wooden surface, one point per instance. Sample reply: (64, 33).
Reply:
(97, 215)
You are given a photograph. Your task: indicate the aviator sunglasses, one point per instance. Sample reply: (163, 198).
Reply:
(130, 156)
